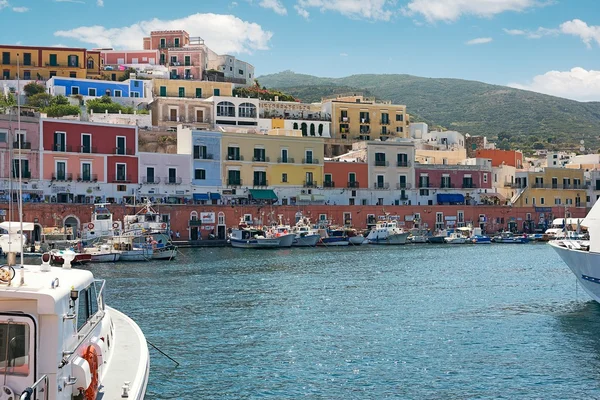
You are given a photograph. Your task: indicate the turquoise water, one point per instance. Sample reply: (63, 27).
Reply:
(409, 322)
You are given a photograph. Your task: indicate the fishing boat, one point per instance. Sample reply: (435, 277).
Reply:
(387, 232)
(101, 225)
(103, 253)
(510, 238)
(417, 236)
(583, 257)
(355, 237)
(145, 221)
(283, 233)
(455, 238)
(438, 237)
(14, 240)
(250, 238)
(162, 246)
(131, 251)
(58, 256)
(333, 237)
(474, 235)
(304, 234)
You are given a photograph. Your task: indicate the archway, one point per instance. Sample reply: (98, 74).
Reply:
(194, 226)
(36, 235)
(72, 222)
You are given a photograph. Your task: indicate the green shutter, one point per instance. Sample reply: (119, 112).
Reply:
(217, 92)
(198, 93)
(181, 92)
(163, 91)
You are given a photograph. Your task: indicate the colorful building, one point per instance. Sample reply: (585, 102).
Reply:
(231, 112)
(550, 187)
(37, 63)
(96, 88)
(291, 115)
(169, 112)
(204, 149)
(191, 89)
(164, 176)
(128, 57)
(501, 157)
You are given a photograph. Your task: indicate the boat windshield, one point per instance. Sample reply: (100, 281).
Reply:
(14, 348)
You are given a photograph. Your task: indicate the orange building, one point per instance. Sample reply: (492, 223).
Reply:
(500, 157)
(341, 174)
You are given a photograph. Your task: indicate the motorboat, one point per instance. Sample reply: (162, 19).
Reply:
(95, 351)
(438, 237)
(305, 235)
(283, 233)
(250, 238)
(387, 232)
(474, 235)
(355, 237)
(103, 253)
(417, 236)
(145, 221)
(455, 238)
(333, 237)
(101, 225)
(510, 238)
(162, 246)
(57, 256)
(131, 251)
(560, 226)
(583, 257)
(14, 240)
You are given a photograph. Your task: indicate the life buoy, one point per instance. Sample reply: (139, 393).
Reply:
(91, 356)
(90, 226)
(163, 226)
(115, 225)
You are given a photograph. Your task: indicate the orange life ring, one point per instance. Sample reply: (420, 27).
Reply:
(115, 225)
(164, 226)
(90, 226)
(91, 357)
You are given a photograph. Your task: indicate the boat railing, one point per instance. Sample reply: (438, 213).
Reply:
(35, 388)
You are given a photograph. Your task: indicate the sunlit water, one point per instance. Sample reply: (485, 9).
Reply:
(410, 322)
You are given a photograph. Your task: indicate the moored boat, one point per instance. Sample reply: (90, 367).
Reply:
(58, 256)
(131, 251)
(387, 232)
(455, 238)
(249, 238)
(101, 224)
(510, 238)
(103, 253)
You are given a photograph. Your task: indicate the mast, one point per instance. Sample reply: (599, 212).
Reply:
(19, 160)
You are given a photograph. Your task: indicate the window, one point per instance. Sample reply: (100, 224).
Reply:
(402, 182)
(241, 71)
(309, 179)
(233, 153)
(557, 201)
(260, 178)
(328, 180)
(120, 149)
(163, 43)
(61, 170)
(150, 175)
(117, 93)
(247, 110)
(26, 58)
(284, 156)
(52, 74)
(485, 178)
(351, 179)
(3, 135)
(198, 93)
(26, 74)
(176, 42)
(380, 181)
(233, 177)
(86, 143)
(216, 92)
(364, 117)
(259, 155)
(172, 175)
(121, 175)
(181, 92)
(385, 118)
(21, 167)
(73, 61)
(200, 174)
(309, 157)
(380, 160)
(446, 181)
(541, 200)
(17, 337)
(90, 63)
(399, 117)
(163, 91)
(86, 172)
(200, 152)
(59, 141)
(91, 92)
(225, 109)
(52, 60)
(5, 57)
(74, 90)
(73, 74)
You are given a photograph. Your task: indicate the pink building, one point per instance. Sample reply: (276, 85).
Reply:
(120, 57)
(29, 139)
(452, 184)
(184, 56)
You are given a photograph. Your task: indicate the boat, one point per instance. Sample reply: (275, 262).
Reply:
(417, 236)
(455, 238)
(101, 225)
(355, 237)
(438, 237)
(162, 246)
(304, 234)
(103, 253)
(250, 238)
(333, 237)
(145, 221)
(387, 232)
(583, 257)
(14, 240)
(58, 256)
(474, 235)
(510, 238)
(131, 251)
(283, 233)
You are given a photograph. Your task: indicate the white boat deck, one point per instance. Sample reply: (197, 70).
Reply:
(130, 361)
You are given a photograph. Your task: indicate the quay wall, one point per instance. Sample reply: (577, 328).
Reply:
(182, 217)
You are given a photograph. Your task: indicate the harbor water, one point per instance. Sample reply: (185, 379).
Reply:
(368, 322)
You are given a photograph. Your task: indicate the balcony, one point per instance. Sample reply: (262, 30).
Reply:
(381, 185)
(235, 158)
(123, 151)
(172, 180)
(402, 186)
(62, 177)
(344, 120)
(382, 163)
(329, 184)
(24, 145)
(467, 185)
(24, 174)
(287, 160)
(310, 184)
(121, 178)
(385, 122)
(261, 159)
(509, 185)
(260, 183)
(234, 182)
(424, 185)
(195, 222)
(365, 120)
(403, 197)
(87, 150)
(87, 177)
(365, 130)
(353, 185)
(62, 148)
(447, 185)
(64, 65)
(203, 157)
(310, 161)
(403, 164)
(21, 63)
(150, 180)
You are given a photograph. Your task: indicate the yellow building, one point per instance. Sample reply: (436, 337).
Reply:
(550, 187)
(282, 158)
(449, 157)
(190, 89)
(46, 62)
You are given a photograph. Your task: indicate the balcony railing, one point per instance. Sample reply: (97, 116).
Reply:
(21, 63)
(235, 158)
(62, 177)
(261, 159)
(87, 149)
(365, 120)
(403, 164)
(353, 184)
(195, 222)
(404, 197)
(401, 186)
(24, 174)
(382, 163)
(469, 186)
(446, 185)
(203, 157)
(122, 178)
(385, 122)
(344, 120)
(310, 161)
(87, 177)
(381, 185)
(24, 145)
(329, 184)
(364, 130)
(424, 185)
(152, 180)
(123, 151)
(557, 186)
(259, 183)
(64, 65)
(172, 180)
(61, 147)
(310, 184)
(288, 160)
(234, 182)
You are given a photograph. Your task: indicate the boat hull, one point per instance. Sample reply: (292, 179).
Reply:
(436, 239)
(585, 266)
(136, 255)
(306, 241)
(512, 240)
(255, 243)
(105, 257)
(334, 241)
(286, 240)
(164, 254)
(480, 240)
(455, 240)
(79, 259)
(357, 240)
(393, 239)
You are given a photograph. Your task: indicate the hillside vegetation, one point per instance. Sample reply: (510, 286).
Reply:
(512, 117)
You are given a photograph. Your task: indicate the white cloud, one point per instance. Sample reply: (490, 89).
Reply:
(301, 11)
(59, 45)
(576, 84)
(70, 1)
(239, 37)
(274, 5)
(20, 9)
(233, 4)
(100, 3)
(367, 9)
(3, 4)
(537, 34)
(587, 33)
(343, 54)
(481, 40)
(451, 10)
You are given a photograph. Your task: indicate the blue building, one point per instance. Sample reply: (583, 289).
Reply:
(206, 165)
(95, 88)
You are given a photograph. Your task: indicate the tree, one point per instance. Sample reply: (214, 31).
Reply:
(33, 89)
(7, 101)
(39, 100)
(126, 74)
(60, 110)
(538, 145)
(60, 100)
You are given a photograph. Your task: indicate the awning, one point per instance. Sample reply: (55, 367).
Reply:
(318, 197)
(201, 196)
(304, 197)
(450, 198)
(263, 194)
(215, 196)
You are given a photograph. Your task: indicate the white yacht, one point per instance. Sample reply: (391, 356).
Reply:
(455, 238)
(59, 341)
(101, 225)
(145, 221)
(387, 232)
(583, 257)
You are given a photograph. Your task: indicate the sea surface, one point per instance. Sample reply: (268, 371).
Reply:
(409, 322)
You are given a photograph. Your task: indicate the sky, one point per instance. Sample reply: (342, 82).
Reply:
(548, 46)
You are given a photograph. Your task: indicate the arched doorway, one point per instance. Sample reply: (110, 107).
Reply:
(194, 226)
(72, 222)
(36, 235)
(221, 229)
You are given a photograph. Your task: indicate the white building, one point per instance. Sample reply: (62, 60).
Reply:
(230, 66)
(164, 175)
(235, 114)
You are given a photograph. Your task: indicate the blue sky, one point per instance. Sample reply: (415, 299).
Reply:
(550, 46)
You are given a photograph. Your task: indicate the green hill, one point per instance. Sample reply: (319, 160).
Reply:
(512, 117)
